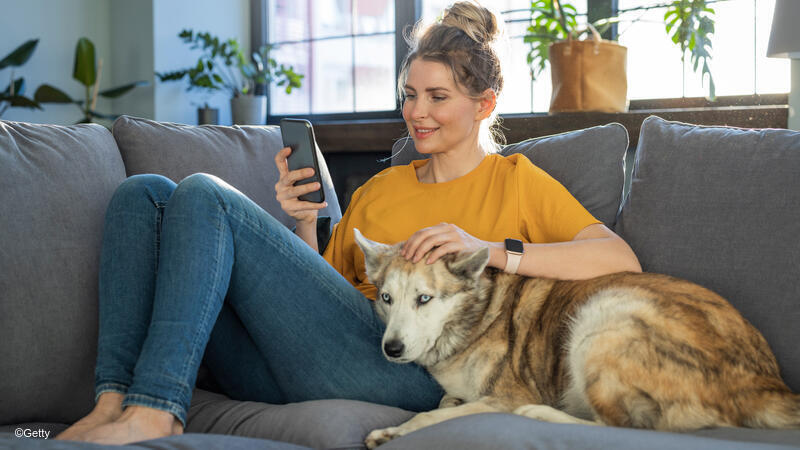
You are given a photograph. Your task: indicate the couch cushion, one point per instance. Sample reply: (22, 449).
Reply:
(719, 206)
(55, 184)
(318, 423)
(187, 441)
(507, 432)
(590, 163)
(243, 156)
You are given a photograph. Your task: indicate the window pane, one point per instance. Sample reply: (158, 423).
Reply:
(330, 18)
(733, 52)
(296, 55)
(332, 72)
(738, 56)
(374, 16)
(374, 70)
(654, 62)
(772, 74)
(288, 20)
(516, 94)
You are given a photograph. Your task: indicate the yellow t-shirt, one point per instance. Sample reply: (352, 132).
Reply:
(504, 197)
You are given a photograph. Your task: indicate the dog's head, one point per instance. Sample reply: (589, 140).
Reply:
(429, 309)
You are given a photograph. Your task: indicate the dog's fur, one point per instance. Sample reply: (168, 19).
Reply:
(628, 349)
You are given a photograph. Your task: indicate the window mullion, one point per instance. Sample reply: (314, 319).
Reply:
(406, 14)
(601, 9)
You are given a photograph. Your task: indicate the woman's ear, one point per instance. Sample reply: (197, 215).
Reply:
(486, 104)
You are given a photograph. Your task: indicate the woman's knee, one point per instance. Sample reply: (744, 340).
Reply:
(200, 188)
(150, 188)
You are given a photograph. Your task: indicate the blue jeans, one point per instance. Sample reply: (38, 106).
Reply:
(198, 272)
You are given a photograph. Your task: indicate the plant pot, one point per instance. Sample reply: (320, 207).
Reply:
(249, 109)
(207, 116)
(588, 76)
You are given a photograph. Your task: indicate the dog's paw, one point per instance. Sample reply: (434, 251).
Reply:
(549, 414)
(382, 436)
(538, 412)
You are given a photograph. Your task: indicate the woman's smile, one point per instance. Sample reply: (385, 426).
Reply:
(422, 133)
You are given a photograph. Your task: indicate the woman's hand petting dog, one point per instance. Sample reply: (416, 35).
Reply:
(287, 192)
(443, 238)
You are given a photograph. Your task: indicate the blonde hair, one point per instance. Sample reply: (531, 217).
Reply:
(463, 40)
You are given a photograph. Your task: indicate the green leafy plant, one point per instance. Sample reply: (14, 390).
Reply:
(688, 23)
(223, 67)
(86, 71)
(265, 70)
(14, 93)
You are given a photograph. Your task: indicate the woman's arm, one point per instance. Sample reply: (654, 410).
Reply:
(594, 251)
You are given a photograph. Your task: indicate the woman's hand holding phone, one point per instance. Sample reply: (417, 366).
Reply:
(286, 192)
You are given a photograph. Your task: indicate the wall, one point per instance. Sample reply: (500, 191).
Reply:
(225, 19)
(58, 25)
(132, 45)
(135, 38)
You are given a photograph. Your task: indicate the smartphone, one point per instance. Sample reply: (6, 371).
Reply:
(298, 134)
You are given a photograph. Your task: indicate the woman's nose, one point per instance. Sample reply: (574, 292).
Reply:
(419, 110)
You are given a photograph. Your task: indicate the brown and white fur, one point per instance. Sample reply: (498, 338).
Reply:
(635, 350)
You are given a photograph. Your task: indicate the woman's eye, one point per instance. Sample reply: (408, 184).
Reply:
(438, 99)
(386, 297)
(424, 299)
(410, 96)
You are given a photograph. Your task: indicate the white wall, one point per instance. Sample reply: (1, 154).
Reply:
(134, 38)
(225, 19)
(132, 45)
(58, 25)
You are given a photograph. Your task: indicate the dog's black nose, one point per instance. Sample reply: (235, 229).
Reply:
(394, 348)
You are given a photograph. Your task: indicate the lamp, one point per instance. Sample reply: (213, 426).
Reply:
(784, 42)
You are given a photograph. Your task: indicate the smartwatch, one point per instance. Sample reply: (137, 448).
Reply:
(514, 250)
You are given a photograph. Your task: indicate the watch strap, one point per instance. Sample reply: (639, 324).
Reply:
(513, 256)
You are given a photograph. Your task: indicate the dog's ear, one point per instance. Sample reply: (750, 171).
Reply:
(470, 265)
(375, 254)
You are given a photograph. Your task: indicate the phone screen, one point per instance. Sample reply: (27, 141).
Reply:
(299, 135)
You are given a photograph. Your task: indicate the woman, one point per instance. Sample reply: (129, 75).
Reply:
(212, 271)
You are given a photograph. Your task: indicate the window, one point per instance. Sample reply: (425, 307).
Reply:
(738, 59)
(345, 49)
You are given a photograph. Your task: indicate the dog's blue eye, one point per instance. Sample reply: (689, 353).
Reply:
(424, 299)
(386, 297)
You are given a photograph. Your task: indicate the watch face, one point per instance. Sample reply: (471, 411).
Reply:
(514, 245)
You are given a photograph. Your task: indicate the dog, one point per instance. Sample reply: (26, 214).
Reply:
(638, 350)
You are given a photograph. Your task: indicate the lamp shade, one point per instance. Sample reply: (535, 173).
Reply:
(784, 40)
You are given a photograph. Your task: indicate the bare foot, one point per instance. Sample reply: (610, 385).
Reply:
(107, 410)
(137, 423)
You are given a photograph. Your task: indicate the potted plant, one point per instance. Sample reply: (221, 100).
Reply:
(14, 93)
(223, 67)
(87, 71)
(688, 23)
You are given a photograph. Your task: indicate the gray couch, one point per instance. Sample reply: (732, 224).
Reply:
(718, 206)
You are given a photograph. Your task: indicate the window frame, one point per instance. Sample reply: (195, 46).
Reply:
(407, 12)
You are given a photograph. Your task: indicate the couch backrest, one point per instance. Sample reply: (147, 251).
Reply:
(243, 156)
(721, 207)
(590, 163)
(55, 184)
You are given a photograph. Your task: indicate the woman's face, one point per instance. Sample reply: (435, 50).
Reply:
(440, 117)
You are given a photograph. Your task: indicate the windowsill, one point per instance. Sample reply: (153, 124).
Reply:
(378, 135)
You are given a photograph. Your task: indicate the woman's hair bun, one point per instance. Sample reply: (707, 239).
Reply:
(474, 20)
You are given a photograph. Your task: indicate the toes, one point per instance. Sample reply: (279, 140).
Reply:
(382, 436)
